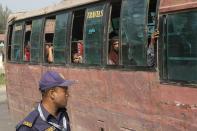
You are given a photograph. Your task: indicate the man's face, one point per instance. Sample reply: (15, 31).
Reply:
(61, 96)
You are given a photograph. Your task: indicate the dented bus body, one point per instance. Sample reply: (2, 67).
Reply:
(127, 97)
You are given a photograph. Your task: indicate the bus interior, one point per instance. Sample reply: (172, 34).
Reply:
(27, 44)
(77, 36)
(48, 35)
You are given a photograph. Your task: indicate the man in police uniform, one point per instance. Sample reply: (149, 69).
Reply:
(50, 115)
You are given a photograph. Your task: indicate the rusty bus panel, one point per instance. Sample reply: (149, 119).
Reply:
(174, 5)
(120, 103)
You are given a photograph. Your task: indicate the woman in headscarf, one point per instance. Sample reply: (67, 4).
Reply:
(113, 58)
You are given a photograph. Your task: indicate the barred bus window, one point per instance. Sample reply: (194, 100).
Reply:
(17, 42)
(77, 36)
(93, 35)
(133, 32)
(27, 44)
(9, 42)
(35, 40)
(152, 19)
(114, 46)
(182, 46)
(48, 39)
(60, 38)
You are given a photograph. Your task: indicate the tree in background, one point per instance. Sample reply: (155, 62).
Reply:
(4, 13)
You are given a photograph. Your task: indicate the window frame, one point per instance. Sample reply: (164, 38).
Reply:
(41, 37)
(23, 49)
(11, 44)
(85, 7)
(163, 28)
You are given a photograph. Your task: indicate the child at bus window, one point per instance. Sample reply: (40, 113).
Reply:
(49, 52)
(150, 51)
(27, 51)
(76, 58)
(113, 58)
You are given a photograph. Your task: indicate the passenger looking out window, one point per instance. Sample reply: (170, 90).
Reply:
(76, 58)
(150, 50)
(77, 52)
(27, 45)
(113, 58)
(49, 32)
(49, 52)
(27, 51)
(77, 36)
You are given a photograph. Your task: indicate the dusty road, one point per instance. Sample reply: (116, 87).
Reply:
(6, 123)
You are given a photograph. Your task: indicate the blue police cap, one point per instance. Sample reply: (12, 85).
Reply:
(52, 79)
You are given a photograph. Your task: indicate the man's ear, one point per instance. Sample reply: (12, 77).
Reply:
(52, 94)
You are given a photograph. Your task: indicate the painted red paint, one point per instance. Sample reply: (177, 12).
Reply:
(109, 99)
(174, 5)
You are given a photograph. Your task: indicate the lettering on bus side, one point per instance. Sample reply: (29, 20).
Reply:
(18, 28)
(95, 14)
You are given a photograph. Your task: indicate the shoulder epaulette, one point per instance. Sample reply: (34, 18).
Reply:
(29, 120)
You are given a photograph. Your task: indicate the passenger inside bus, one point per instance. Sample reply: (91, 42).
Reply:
(27, 45)
(49, 48)
(77, 51)
(76, 58)
(150, 50)
(113, 50)
(114, 27)
(49, 52)
(49, 38)
(77, 36)
(113, 58)
(27, 51)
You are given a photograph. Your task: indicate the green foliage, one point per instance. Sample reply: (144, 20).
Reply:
(4, 13)
(2, 78)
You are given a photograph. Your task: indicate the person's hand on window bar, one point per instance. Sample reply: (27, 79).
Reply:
(150, 51)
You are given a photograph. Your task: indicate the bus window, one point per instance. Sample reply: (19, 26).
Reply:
(113, 48)
(151, 17)
(10, 42)
(35, 40)
(60, 38)
(17, 42)
(181, 47)
(77, 36)
(27, 44)
(133, 32)
(48, 39)
(93, 35)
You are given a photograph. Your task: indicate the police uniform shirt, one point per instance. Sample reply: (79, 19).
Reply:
(33, 122)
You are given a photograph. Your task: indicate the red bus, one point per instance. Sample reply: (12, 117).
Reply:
(128, 96)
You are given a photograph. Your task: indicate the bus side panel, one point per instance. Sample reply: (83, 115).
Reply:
(109, 100)
(22, 88)
(173, 5)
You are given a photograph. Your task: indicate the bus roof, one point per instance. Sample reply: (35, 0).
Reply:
(174, 5)
(49, 9)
